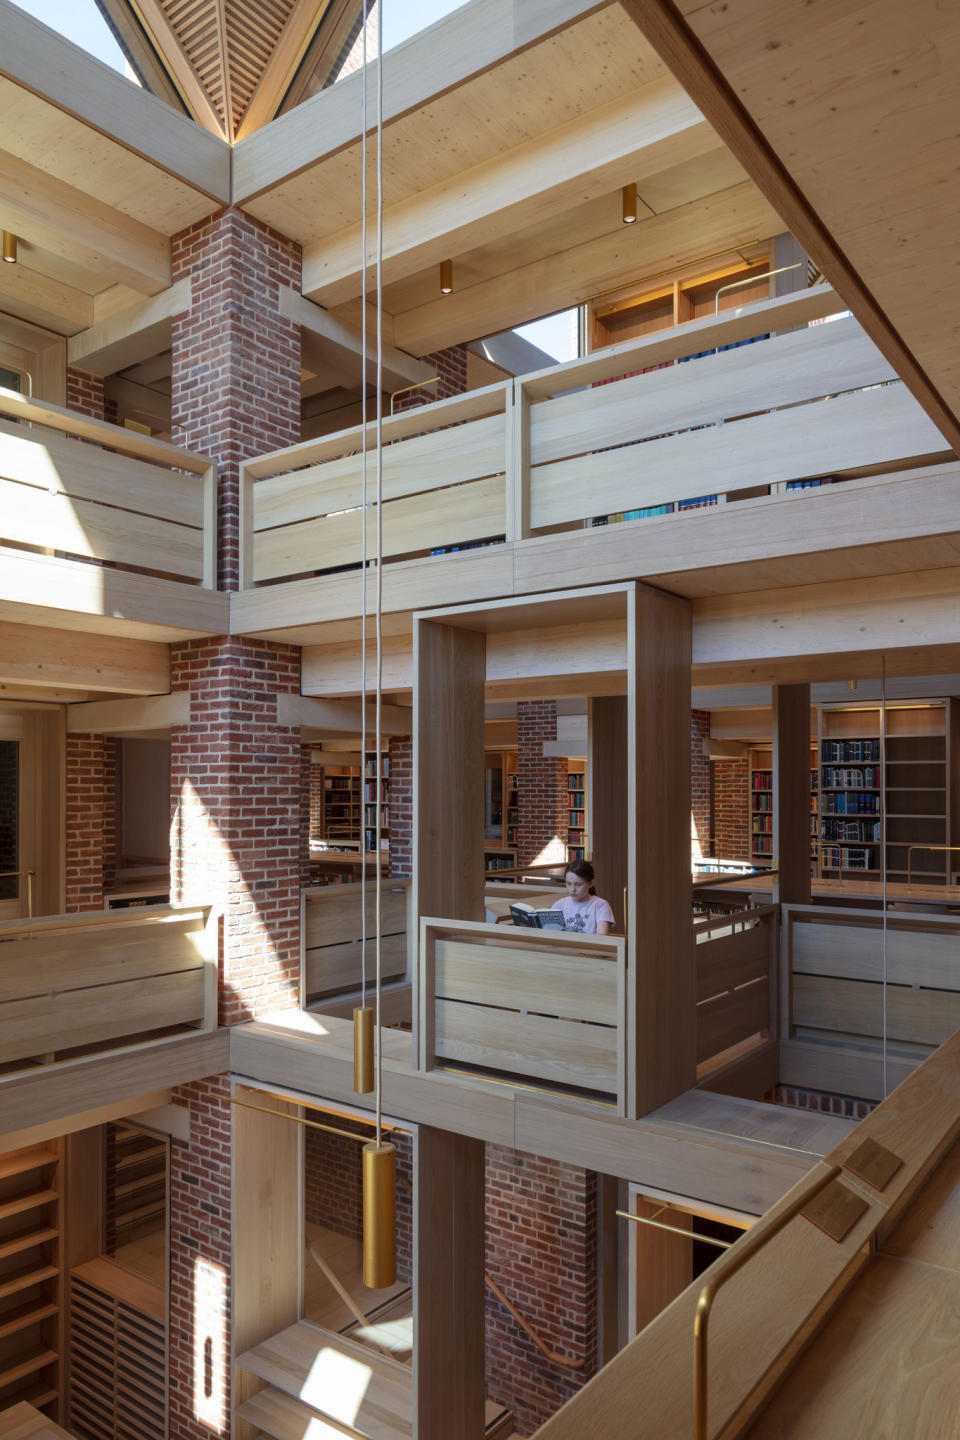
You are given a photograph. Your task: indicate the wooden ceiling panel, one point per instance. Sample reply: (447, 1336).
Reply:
(599, 58)
(36, 131)
(846, 114)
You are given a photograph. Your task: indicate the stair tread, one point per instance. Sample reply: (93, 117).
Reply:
(282, 1417)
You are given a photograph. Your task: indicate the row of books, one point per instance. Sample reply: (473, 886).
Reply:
(852, 802)
(866, 778)
(841, 857)
(763, 844)
(851, 830)
(850, 750)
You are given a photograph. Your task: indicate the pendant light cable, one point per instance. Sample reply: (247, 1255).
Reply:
(363, 519)
(883, 863)
(379, 876)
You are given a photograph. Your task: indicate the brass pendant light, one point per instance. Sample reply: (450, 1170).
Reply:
(379, 1227)
(9, 247)
(363, 1050)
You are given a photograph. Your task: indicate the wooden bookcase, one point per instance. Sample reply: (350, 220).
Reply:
(30, 1277)
(577, 821)
(374, 832)
(761, 805)
(921, 811)
(341, 805)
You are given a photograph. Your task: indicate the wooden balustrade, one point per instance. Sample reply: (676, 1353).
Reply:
(332, 934)
(736, 963)
(550, 450)
(835, 1010)
(121, 498)
(76, 982)
(545, 1005)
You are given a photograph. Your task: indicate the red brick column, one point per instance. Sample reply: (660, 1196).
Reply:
(401, 806)
(541, 1249)
(85, 393)
(731, 809)
(200, 1235)
(90, 820)
(541, 786)
(700, 816)
(236, 361)
(235, 837)
(451, 367)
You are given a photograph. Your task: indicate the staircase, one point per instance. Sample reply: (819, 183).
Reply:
(325, 1385)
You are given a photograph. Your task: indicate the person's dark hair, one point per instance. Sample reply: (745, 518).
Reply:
(583, 871)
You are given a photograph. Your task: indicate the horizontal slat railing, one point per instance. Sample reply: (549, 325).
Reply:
(74, 982)
(595, 437)
(542, 1005)
(736, 958)
(838, 1011)
(122, 498)
(332, 938)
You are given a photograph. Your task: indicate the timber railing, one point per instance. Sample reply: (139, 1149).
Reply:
(594, 438)
(736, 972)
(837, 1012)
(78, 983)
(542, 1006)
(332, 930)
(121, 498)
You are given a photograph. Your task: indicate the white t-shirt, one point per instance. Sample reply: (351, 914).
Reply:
(584, 915)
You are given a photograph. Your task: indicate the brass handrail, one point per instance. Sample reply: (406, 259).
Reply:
(528, 1329)
(911, 848)
(744, 1251)
(675, 1230)
(9, 874)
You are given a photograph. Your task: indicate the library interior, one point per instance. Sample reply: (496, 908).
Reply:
(422, 505)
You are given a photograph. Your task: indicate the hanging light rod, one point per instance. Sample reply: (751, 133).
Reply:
(10, 247)
(628, 204)
(446, 277)
(315, 1124)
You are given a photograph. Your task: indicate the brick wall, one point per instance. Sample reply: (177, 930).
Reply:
(451, 367)
(91, 770)
(542, 808)
(731, 809)
(333, 1185)
(200, 1246)
(235, 837)
(846, 1105)
(401, 806)
(85, 393)
(307, 768)
(236, 361)
(700, 807)
(541, 1239)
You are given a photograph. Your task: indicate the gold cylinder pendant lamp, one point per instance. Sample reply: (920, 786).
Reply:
(446, 277)
(9, 247)
(379, 1230)
(363, 1050)
(628, 204)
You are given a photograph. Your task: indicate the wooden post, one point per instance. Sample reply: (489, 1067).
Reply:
(448, 721)
(607, 798)
(791, 793)
(518, 462)
(448, 1237)
(661, 998)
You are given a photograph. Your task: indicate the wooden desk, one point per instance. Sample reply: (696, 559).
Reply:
(854, 892)
(22, 1422)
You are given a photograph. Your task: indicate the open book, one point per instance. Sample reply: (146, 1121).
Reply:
(524, 914)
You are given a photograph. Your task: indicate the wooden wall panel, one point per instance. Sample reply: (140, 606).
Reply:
(791, 793)
(607, 797)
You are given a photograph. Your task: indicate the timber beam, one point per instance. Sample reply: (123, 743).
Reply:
(135, 333)
(37, 656)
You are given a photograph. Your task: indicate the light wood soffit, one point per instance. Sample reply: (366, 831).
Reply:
(65, 221)
(473, 40)
(641, 133)
(41, 61)
(136, 333)
(735, 216)
(41, 300)
(828, 148)
(40, 656)
(340, 344)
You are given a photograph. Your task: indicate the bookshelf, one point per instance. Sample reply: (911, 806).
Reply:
(577, 816)
(376, 832)
(761, 805)
(511, 801)
(341, 806)
(920, 742)
(30, 1266)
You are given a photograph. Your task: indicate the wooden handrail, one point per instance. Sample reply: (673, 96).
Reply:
(116, 437)
(528, 1329)
(337, 1284)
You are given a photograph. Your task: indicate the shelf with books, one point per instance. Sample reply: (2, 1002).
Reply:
(761, 804)
(920, 740)
(341, 806)
(376, 835)
(576, 838)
